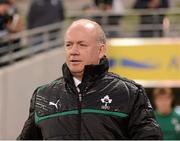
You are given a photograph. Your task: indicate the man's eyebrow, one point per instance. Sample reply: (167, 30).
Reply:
(82, 42)
(79, 42)
(68, 41)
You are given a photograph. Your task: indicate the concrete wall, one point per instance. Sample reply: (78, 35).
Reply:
(17, 83)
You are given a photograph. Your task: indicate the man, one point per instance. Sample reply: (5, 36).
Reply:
(152, 23)
(165, 114)
(10, 22)
(88, 102)
(49, 11)
(42, 13)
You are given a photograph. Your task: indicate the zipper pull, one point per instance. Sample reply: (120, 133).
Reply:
(80, 97)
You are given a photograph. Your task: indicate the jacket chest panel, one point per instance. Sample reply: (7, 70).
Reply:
(106, 99)
(54, 101)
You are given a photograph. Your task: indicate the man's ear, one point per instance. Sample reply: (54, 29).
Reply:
(102, 50)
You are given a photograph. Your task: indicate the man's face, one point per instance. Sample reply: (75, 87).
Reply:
(82, 48)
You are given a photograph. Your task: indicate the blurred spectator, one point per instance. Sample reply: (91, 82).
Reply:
(18, 21)
(10, 22)
(44, 12)
(114, 9)
(153, 22)
(104, 5)
(168, 119)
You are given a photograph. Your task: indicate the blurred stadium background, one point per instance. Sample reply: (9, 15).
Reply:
(152, 62)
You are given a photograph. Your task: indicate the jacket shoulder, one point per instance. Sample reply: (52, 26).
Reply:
(129, 84)
(46, 93)
(52, 85)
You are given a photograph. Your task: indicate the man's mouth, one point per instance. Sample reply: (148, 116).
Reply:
(75, 61)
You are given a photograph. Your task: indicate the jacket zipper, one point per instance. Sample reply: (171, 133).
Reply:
(79, 113)
(80, 98)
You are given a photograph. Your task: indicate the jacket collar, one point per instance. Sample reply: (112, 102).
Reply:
(91, 72)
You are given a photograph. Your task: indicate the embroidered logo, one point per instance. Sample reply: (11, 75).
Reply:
(106, 100)
(176, 124)
(54, 104)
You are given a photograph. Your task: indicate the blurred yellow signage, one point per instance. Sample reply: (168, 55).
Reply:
(145, 59)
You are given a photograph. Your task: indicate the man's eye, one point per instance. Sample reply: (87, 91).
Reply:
(68, 45)
(83, 45)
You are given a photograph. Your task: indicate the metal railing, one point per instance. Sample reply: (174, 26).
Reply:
(129, 23)
(29, 42)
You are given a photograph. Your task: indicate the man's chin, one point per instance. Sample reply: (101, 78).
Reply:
(74, 71)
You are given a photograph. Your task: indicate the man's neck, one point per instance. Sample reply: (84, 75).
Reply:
(78, 76)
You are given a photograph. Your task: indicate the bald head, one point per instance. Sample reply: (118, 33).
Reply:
(92, 26)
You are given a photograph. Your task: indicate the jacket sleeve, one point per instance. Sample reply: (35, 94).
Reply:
(30, 130)
(142, 123)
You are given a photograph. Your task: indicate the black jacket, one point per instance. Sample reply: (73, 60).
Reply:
(107, 107)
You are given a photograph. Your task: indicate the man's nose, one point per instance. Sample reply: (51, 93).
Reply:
(75, 50)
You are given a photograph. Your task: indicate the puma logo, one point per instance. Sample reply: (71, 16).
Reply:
(54, 104)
